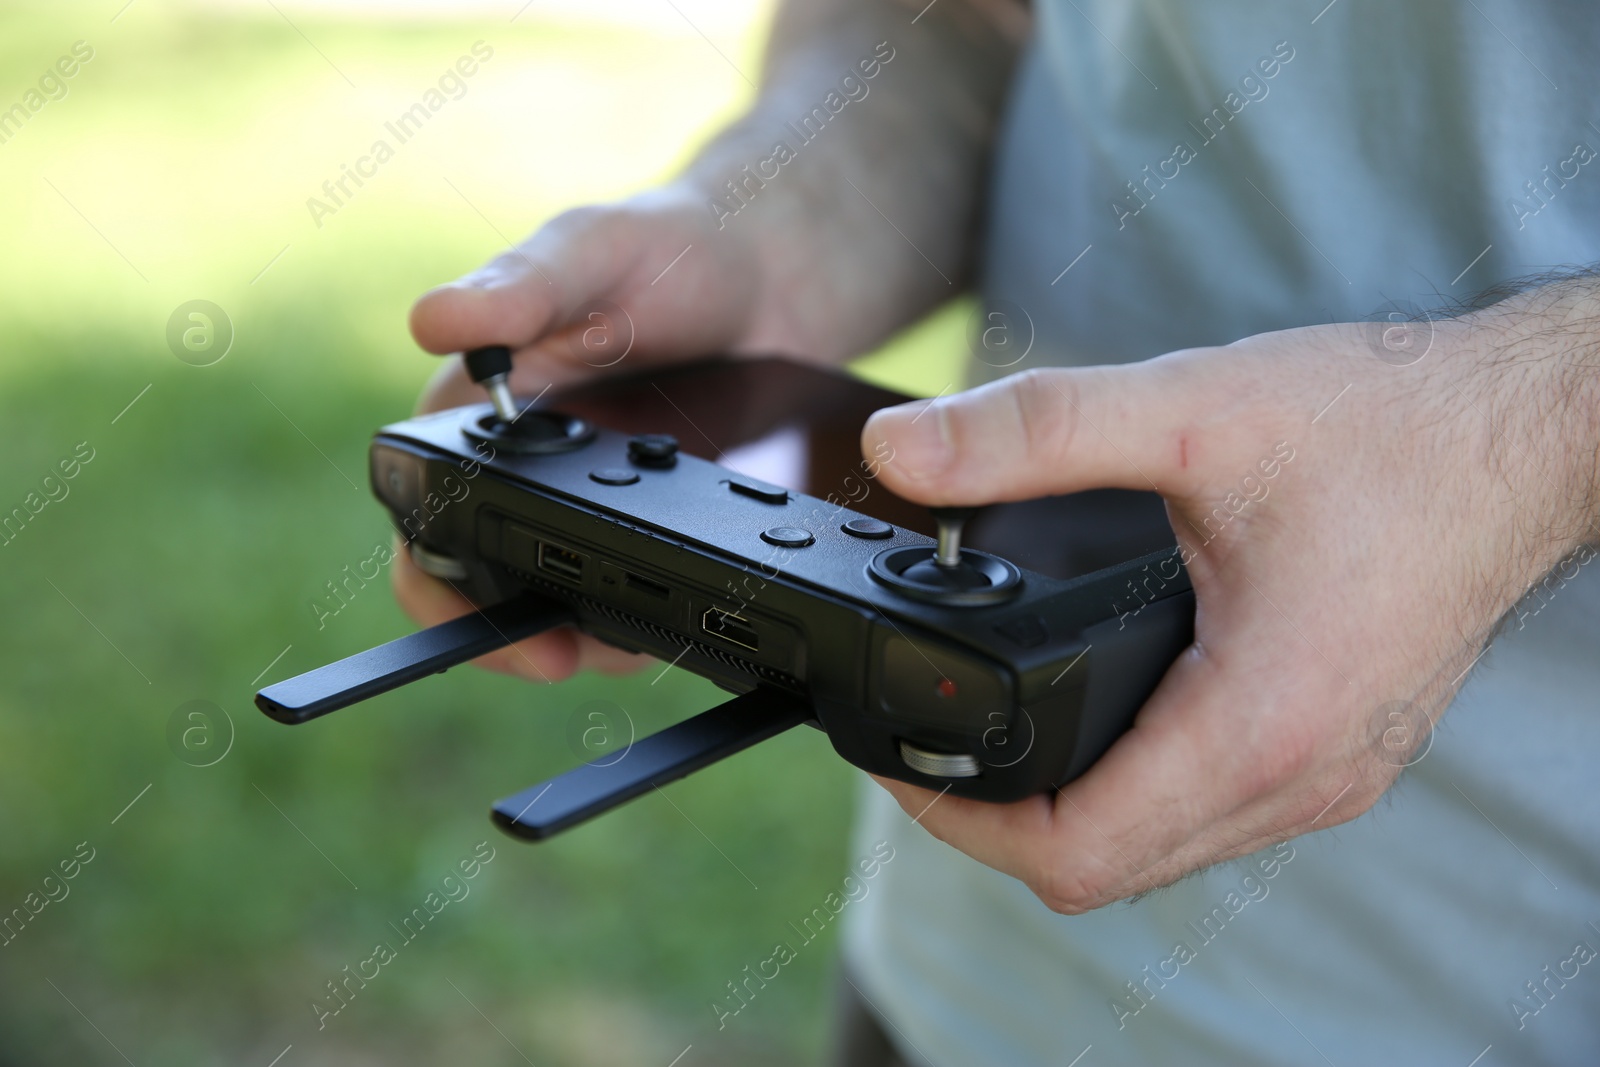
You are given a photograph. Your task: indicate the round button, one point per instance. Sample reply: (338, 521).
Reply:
(871, 529)
(939, 764)
(438, 564)
(653, 449)
(613, 476)
(787, 536)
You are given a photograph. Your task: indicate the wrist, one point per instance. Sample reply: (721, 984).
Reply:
(858, 122)
(1530, 364)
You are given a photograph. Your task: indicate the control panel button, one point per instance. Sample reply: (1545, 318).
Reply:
(871, 529)
(787, 536)
(756, 489)
(613, 476)
(939, 764)
(653, 449)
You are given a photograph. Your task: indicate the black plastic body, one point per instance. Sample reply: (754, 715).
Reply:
(1034, 689)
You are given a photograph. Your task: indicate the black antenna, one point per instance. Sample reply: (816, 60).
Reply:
(389, 666)
(543, 810)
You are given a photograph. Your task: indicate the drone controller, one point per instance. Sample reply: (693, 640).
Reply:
(921, 658)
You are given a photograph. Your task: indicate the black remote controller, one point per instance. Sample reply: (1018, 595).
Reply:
(923, 660)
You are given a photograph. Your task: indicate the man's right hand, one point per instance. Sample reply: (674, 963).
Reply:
(597, 290)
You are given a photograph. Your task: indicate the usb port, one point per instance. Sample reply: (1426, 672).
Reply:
(646, 586)
(734, 629)
(561, 561)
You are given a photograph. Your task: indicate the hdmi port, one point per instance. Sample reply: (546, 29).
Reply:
(561, 561)
(734, 629)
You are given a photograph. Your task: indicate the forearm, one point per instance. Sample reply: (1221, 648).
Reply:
(1532, 377)
(865, 216)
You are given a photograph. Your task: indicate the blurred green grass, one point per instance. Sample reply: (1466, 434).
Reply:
(186, 554)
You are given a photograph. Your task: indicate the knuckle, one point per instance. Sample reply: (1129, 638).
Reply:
(1288, 755)
(578, 219)
(1224, 409)
(1065, 890)
(1045, 407)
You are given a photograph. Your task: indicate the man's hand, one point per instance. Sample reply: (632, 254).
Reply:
(1354, 530)
(809, 268)
(596, 290)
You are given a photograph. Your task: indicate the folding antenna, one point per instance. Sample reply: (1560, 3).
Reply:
(567, 799)
(543, 810)
(389, 666)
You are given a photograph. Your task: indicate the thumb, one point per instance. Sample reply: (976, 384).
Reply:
(1044, 432)
(511, 300)
(533, 289)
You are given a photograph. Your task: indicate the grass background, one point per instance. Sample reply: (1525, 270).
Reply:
(187, 553)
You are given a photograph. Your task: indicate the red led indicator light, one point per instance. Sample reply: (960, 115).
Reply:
(946, 688)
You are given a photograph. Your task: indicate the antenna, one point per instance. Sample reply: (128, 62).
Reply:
(543, 810)
(389, 666)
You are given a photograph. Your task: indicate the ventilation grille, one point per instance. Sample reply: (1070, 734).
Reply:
(617, 615)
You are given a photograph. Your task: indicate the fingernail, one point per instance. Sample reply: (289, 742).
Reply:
(918, 436)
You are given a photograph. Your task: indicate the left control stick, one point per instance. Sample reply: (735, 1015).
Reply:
(490, 367)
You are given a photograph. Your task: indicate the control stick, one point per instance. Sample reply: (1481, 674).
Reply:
(949, 573)
(490, 367)
(951, 521)
(523, 432)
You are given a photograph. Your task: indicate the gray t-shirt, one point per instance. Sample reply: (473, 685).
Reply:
(1176, 173)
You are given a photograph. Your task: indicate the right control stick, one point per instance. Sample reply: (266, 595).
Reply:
(951, 521)
(949, 570)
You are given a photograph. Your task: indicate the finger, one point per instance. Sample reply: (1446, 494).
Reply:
(970, 825)
(1151, 426)
(546, 657)
(596, 655)
(527, 292)
(1343, 783)
(1195, 755)
(510, 301)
